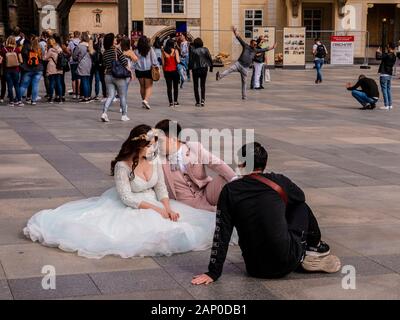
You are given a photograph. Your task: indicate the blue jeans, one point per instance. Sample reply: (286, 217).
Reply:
(55, 83)
(115, 85)
(29, 78)
(362, 98)
(319, 62)
(386, 84)
(12, 78)
(97, 81)
(85, 83)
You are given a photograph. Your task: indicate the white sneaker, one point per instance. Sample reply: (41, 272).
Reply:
(125, 118)
(146, 105)
(390, 107)
(104, 117)
(1, 100)
(384, 108)
(104, 100)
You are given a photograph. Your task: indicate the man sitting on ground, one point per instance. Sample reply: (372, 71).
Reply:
(368, 96)
(277, 230)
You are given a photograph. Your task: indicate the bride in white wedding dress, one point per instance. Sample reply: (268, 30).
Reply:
(134, 219)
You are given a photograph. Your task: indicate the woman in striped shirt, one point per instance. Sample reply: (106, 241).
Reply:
(114, 85)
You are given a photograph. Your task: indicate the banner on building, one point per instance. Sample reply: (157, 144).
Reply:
(342, 50)
(270, 39)
(294, 47)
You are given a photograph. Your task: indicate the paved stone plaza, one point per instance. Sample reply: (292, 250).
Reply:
(346, 160)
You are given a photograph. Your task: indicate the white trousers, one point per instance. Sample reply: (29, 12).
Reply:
(258, 67)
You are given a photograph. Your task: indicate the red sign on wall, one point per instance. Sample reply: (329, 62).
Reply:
(342, 38)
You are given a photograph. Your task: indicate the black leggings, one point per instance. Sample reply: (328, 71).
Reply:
(3, 86)
(302, 222)
(172, 78)
(200, 74)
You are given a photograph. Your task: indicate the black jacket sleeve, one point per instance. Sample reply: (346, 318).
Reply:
(222, 236)
(355, 86)
(210, 60)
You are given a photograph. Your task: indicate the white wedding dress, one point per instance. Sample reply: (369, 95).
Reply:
(112, 224)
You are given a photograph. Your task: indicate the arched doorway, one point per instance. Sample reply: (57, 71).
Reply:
(63, 10)
(168, 32)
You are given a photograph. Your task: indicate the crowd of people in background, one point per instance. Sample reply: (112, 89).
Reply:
(102, 67)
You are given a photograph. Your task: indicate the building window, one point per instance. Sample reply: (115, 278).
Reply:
(252, 18)
(313, 22)
(172, 6)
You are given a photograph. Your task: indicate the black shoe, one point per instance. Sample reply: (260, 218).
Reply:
(197, 104)
(63, 99)
(176, 104)
(372, 106)
(259, 88)
(321, 250)
(217, 76)
(203, 103)
(262, 87)
(366, 107)
(57, 100)
(50, 100)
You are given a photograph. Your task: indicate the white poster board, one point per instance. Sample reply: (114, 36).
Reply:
(294, 47)
(270, 37)
(342, 50)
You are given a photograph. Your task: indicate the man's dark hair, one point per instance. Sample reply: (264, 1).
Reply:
(316, 39)
(257, 152)
(166, 125)
(198, 43)
(361, 77)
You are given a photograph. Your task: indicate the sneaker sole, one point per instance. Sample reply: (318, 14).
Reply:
(328, 264)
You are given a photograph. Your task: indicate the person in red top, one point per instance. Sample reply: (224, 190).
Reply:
(12, 58)
(170, 61)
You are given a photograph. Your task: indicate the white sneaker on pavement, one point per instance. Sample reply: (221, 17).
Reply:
(125, 119)
(104, 117)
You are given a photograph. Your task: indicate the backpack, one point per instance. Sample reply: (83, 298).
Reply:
(33, 59)
(321, 51)
(62, 62)
(12, 60)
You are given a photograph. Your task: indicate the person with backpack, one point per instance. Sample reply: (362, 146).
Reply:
(319, 52)
(72, 45)
(33, 69)
(63, 63)
(170, 61)
(114, 62)
(12, 59)
(97, 63)
(82, 56)
(388, 60)
(54, 73)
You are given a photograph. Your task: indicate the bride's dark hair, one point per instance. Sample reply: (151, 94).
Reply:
(132, 147)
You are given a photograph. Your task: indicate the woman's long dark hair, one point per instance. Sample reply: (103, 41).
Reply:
(131, 148)
(169, 46)
(143, 46)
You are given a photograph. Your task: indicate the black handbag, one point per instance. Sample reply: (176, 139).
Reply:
(118, 70)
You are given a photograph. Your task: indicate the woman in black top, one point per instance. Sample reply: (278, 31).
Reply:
(388, 59)
(199, 62)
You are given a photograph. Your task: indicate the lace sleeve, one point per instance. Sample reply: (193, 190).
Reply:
(124, 189)
(160, 188)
